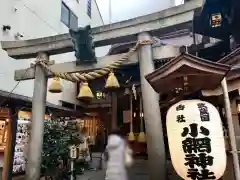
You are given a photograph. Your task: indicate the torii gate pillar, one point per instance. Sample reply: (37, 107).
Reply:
(37, 127)
(152, 116)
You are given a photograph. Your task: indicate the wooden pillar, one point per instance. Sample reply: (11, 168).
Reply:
(14, 118)
(152, 116)
(114, 110)
(5, 113)
(34, 155)
(235, 119)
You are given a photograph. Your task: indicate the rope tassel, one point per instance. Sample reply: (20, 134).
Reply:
(85, 93)
(141, 135)
(112, 82)
(131, 136)
(56, 86)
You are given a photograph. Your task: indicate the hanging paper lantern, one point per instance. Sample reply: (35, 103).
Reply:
(196, 141)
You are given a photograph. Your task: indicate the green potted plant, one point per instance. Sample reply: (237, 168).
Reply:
(58, 137)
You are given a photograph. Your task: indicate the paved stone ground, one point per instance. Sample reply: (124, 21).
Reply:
(137, 172)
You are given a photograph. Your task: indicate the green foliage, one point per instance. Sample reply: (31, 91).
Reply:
(58, 136)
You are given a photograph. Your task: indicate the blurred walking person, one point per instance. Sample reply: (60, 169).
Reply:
(119, 156)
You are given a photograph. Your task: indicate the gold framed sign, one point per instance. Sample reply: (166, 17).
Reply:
(216, 20)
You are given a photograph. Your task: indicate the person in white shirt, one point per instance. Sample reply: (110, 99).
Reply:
(119, 156)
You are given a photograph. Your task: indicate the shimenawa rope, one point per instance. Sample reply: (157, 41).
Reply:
(76, 77)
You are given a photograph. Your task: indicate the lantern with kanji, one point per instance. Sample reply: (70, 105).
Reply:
(196, 141)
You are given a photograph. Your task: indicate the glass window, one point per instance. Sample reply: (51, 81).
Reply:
(73, 21)
(68, 17)
(65, 14)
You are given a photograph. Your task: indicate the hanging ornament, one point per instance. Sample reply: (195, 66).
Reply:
(112, 81)
(127, 91)
(185, 83)
(134, 91)
(141, 136)
(131, 136)
(56, 86)
(85, 92)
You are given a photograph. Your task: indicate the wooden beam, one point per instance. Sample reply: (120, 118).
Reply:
(158, 23)
(114, 107)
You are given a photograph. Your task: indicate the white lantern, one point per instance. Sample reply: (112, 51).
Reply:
(196, 142)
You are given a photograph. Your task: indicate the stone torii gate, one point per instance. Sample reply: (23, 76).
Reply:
(131, 30)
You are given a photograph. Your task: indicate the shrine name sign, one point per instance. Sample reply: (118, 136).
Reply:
(196, 142)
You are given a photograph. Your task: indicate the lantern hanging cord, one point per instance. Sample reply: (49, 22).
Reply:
(76, 77)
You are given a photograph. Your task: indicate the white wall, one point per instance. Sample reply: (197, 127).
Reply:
(34, 19)
(127, 9)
